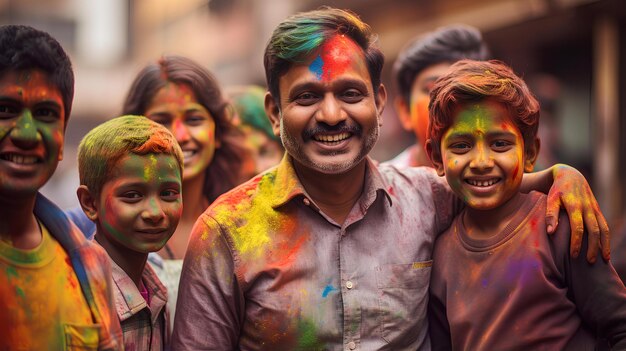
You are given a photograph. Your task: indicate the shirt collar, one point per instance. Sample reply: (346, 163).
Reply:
(287, 185)
(128, 299)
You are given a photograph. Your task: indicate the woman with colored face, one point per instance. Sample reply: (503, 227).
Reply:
(184, 97)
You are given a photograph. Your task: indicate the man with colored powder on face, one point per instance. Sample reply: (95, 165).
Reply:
(130, 174)
(498, 281)
(326, 250)
(54, 284)
(415, 71)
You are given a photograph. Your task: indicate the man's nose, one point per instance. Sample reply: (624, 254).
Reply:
(330, 111)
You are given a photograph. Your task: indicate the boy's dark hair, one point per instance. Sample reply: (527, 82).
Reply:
(24, 47)
(446, 44)
(299, 35)
(470, 81)
(223, 172)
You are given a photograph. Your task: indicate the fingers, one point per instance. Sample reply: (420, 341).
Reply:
(605, 235)
(552, 211)
(577, 227)
(593, 236)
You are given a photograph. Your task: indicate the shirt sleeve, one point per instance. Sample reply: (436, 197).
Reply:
(209, 313)
(447, 204)
(596, 289)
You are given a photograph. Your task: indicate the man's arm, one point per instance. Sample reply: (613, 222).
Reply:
(210, 304)
(568, 188)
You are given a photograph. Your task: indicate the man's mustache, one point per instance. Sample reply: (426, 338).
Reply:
(323, 128)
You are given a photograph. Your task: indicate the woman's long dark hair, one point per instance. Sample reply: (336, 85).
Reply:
(223, 173)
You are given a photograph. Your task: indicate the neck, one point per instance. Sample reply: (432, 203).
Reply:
(194, 204)
(193, 197)
(131, 262)
(335, 194)
(18, 225)
(483, 224)
(419, 157)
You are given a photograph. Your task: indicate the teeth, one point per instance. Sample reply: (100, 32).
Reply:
(19, 159)
(188, 154)
(332, 138)
(482, 183)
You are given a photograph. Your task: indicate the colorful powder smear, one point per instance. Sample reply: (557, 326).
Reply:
(336, 56)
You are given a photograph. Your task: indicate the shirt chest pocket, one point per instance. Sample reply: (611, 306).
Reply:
(81, 337)
(403, 297)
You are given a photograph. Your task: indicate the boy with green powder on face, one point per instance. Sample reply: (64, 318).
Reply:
(54, 284)
(498, 281)
(130, 173)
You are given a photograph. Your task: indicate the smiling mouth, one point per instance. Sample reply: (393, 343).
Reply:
(482, 183)
(331, 139)
(188, 154)
(153, 230)
(20, 159)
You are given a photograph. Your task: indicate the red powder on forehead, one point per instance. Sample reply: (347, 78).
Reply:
(337, 54)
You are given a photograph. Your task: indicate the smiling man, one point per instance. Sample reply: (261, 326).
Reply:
(326, 250)
(54, 285)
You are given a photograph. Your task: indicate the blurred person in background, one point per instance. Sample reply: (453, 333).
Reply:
(418, 66)
(187, 99)
(265, 147)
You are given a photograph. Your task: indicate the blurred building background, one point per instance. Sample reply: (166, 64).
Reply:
(571, 52)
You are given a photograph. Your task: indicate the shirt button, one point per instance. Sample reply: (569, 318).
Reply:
(349, 285)
(352, 345)
(306, 201)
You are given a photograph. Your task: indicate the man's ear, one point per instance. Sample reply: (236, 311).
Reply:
(381, 101)
(273, 112)
(88, 202)
(434, 154)
(404, 112)
(531, 152)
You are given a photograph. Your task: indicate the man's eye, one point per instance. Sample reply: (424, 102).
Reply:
(306, 99)
(353, 96)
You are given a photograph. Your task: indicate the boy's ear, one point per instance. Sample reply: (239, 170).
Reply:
(404, 112)
(87, 202)
(531, 152)
(273, 112)
(434, 154)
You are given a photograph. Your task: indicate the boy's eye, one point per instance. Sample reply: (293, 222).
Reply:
(7, 111)
(459, 148)
(501, 145)
(46, 114)
(131, 195)
(170, 194)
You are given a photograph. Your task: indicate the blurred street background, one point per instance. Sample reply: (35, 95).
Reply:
(572, 53)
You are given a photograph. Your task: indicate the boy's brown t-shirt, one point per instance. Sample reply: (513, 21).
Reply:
(520, 289)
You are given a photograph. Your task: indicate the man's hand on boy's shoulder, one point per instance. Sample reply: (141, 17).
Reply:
(571, 191)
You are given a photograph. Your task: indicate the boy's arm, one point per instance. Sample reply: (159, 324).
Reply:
(596, 290)
(568, 188)
(438, 326)
(210, 304)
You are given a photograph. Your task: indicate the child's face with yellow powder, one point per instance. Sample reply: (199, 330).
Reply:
(482, 155)
(140, 205)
